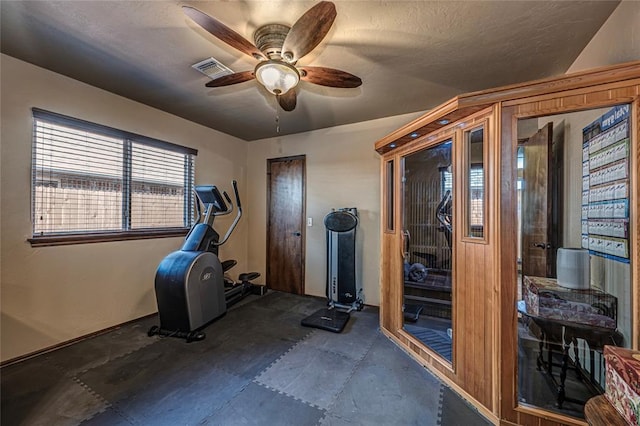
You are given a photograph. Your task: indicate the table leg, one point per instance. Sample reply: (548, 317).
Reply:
(576, 354)
(563, 374)
(540, 359)
(550, 359)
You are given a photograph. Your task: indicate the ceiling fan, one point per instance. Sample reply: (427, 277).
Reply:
(278, 48)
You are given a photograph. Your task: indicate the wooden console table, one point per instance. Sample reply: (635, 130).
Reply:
(560, 334)
(599, 412)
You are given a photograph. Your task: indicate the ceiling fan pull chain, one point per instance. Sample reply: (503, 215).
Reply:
(277, 115)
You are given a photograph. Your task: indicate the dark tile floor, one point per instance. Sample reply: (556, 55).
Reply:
(257, 366)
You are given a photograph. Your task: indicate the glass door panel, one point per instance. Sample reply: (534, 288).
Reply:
(427, 237)
(574, 264)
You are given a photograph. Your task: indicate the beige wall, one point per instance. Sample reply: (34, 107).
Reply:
(54, 294)
(343, 170)
(617, 41)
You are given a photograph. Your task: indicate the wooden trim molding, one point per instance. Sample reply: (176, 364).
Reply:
(60, 345)
(64, 240)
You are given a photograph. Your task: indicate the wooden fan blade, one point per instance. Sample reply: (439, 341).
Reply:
(308, 31)
(329, 77)
(222, 32)
(288, 100)
(227, 80)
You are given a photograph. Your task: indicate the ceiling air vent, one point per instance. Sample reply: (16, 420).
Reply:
(212, 68)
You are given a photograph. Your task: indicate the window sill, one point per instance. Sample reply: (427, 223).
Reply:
(63, 240)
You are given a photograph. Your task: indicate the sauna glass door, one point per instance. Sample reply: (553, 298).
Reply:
(427, 197)
(574, 264)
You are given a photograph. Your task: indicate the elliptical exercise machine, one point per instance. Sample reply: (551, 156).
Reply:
(190, 284)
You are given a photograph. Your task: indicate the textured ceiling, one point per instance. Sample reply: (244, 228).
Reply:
(411, 55)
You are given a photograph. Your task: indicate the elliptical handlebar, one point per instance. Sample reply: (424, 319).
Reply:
(238, 215)
(235, 190)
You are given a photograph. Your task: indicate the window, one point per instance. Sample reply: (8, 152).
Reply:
(446, 180)
(390, 184)
(476, 196)
(92, 179)
(474, 158)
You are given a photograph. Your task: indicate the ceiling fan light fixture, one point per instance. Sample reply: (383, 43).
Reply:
(276, 76)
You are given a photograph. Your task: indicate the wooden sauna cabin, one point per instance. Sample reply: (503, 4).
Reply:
(480, 196)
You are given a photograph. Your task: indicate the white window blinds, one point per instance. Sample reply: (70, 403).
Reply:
(88, 178)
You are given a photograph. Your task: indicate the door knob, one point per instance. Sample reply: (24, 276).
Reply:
(541, 245)
(297, 234)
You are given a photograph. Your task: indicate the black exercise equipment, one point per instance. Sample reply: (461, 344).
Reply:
(417, 273)
(327, 319)
(190, 284)
(445, 216)
(411, 312)
(342, 291)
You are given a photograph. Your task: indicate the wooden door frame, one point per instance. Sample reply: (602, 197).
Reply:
(303, 237)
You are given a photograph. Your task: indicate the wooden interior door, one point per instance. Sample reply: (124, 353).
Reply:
(285, 224)
(537, 238)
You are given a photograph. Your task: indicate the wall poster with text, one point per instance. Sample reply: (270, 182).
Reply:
(605, 185)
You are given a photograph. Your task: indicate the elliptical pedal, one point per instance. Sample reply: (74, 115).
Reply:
(189, 336)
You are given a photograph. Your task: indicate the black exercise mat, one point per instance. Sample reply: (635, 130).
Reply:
(437, 340)
(327, 319)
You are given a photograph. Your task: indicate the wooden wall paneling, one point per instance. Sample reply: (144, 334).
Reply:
(508, 274)
(597, 97)
(384, 264)
(430, 123)
(463, 363)
(391, 263)
(485, 377)
(469, 302)
(528, 420)
(460, 316)
(385, 276)
(576, 99)
(585, 81)
(475, 304)
(473, 363)
(386, 237)
(397, 280)
(486, 337)
(493, 205)
(549, 104)
(571, 102)
(474, 295)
